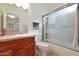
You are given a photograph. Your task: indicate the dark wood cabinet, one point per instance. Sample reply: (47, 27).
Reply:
(6, 53)
(20, 51)
(18, 47)
(31, 48)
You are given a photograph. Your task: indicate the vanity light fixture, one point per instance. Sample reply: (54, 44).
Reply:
(23, 5)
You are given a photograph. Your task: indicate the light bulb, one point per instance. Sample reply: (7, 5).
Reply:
(11, 3)
(25, 6)
(18, 4)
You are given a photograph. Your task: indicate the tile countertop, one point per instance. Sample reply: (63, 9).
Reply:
(11, 37)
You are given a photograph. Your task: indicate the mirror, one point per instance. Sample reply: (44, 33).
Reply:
(11, 24)
(15, 19)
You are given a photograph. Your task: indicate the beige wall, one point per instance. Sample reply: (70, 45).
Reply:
(54, 6)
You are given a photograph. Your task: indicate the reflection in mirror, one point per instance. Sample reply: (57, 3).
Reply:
(11, 24)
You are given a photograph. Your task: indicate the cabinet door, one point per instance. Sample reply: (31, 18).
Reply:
(20, 51)
(6, 53)
(31, 50)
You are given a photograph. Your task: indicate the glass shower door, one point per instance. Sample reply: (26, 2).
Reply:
(61, 27)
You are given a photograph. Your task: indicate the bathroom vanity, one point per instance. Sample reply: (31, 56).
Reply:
(17, 45)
